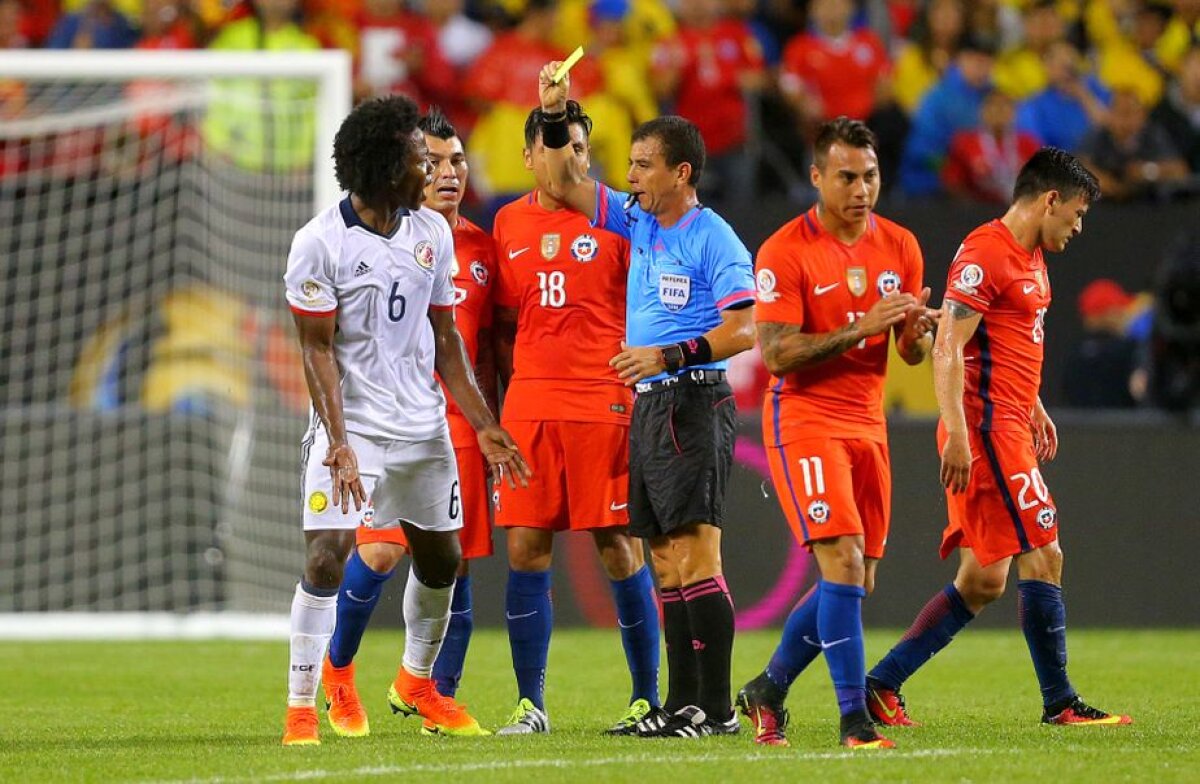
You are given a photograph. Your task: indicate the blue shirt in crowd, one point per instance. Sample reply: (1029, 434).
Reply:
(681, 278)
(1058, 118)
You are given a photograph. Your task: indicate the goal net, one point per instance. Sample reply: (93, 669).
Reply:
(151, 397)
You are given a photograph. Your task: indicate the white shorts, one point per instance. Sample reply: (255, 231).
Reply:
(413, 481)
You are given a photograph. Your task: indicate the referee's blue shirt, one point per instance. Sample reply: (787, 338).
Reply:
(681, 278)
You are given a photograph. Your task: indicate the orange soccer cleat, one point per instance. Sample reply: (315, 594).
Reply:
(300, 727)
(1079, 713)
(342, 705)
(415, 696)
(887, 706)
(858, 732)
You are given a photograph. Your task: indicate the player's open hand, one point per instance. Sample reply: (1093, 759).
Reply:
(885, 314)
(956, 463)
(503, 457)
(635, 363)
(554, 96)
(343, 470)
(1045, 434)
(920, 319)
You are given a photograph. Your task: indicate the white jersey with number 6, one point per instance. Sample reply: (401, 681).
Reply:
(379, 288)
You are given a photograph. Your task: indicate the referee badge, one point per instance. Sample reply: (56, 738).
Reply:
(674, 291)
(856, 280)
(550, 245)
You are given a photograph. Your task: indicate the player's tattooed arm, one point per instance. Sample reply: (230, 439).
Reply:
(959, 323)
(787, 347)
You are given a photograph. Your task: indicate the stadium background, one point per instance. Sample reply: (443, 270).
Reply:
(150, 398)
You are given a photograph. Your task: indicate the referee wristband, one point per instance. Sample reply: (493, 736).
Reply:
(555, 134)
(695, 351)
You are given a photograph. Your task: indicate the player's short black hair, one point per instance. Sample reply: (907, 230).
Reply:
(372, 144)
(436, 124)
(575, 116)
(680, 139)
(852, 133)
(1052, 169)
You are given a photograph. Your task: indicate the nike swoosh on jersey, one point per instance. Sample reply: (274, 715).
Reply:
(819, 290)
(512, 617)
(1029, 288)
(615, 507)
(512, 254)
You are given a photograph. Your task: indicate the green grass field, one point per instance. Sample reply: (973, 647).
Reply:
(212, 712)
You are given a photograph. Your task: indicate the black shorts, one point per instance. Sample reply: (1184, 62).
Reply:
(680, 455)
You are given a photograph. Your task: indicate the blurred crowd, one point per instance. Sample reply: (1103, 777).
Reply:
(959, 91)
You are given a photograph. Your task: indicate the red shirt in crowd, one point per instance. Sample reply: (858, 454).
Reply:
(711, 61)
(842, 72)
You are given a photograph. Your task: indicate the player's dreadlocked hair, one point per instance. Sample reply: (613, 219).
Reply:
(843, 130)
(575, 116)
(435, 123)
(373, 143)
(1052, 169)
(680, 140)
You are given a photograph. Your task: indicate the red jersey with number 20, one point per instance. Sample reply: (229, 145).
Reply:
(994, 275)
(474, 280)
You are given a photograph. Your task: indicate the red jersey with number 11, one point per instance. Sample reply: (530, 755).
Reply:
(809, 278)
(994, 275)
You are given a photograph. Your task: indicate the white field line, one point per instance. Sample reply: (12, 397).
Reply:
(562, 764)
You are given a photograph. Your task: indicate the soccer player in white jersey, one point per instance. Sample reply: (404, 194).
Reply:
(369, 282)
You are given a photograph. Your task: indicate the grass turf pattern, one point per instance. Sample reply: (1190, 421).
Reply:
(213, 712)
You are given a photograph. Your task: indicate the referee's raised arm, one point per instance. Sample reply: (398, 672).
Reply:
(569, 184)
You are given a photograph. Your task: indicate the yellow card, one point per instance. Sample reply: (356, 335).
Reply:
(563, 69)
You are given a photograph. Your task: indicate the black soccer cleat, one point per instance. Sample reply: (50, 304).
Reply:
(687, 722)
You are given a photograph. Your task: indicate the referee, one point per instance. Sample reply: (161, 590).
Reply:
(690, 306)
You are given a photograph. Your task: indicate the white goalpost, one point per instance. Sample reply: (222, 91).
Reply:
(151, 399)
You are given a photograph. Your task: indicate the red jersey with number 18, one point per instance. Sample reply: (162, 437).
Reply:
(566, 278)
(994, 275)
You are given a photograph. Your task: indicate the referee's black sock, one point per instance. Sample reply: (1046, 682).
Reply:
(710, 610)
(683, 672)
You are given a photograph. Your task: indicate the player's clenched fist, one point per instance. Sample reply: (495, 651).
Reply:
(554, 96)
(503, 456)
(956, 463)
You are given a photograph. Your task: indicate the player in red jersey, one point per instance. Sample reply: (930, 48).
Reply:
(379, 550)
(560, 315)
(993, 433)
(834, 285)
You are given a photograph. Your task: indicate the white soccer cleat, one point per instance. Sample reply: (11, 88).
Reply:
(526, 719)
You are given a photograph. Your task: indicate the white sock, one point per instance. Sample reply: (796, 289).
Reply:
(313, 619)
(426, 616)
